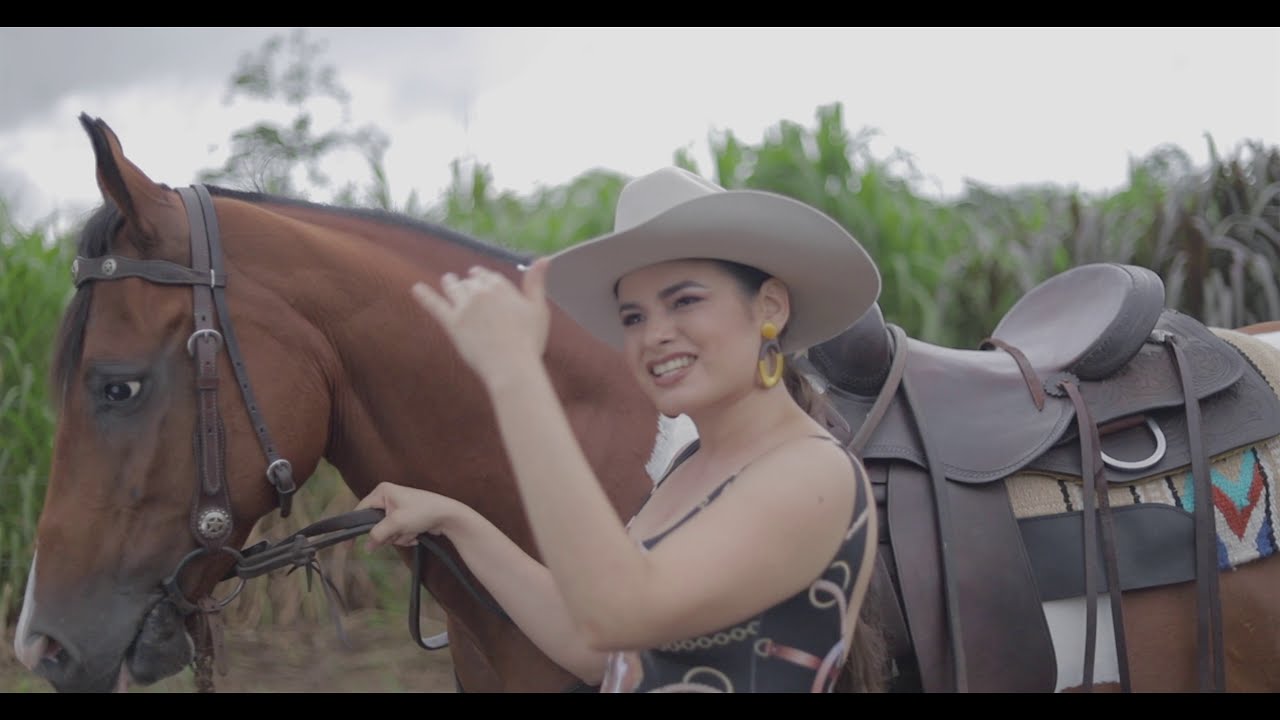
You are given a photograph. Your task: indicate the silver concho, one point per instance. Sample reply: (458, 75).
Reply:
(75, 268)
(108, 266)
(213, 523)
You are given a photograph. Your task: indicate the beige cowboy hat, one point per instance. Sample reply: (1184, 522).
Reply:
(674, 214)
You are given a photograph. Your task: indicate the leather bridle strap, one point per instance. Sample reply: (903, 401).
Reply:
(211, 519)
(201, 214)
(212, 328)
(299, 550)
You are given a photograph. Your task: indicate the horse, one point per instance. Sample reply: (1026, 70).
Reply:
(241, 339)
(302, 310)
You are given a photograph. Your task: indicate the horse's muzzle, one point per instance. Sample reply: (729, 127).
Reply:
(162, 647)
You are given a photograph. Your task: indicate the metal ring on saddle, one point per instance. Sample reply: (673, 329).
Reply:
(1147, 462)
(206, 331)
(187, 607)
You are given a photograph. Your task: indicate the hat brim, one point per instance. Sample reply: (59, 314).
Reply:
(831, 279)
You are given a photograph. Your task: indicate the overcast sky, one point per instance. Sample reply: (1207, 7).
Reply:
(1001, 106)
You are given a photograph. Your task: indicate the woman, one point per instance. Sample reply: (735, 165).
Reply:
(746, 568)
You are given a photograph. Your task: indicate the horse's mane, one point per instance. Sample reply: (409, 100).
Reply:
(378, 215)
(95, 241)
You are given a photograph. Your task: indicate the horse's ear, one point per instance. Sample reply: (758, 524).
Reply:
(155, 212)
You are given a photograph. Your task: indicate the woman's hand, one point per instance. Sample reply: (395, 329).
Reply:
(410, 512)
(492, 322)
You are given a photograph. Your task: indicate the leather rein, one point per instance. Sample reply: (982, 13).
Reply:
(211, 519)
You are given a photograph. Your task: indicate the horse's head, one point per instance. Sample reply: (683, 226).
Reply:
(163, 454)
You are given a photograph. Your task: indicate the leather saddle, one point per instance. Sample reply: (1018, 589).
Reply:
(1088, 377)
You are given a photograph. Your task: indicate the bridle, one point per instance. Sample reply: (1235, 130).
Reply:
(211, 520)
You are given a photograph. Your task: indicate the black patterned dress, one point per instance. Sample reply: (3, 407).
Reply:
(794, 646)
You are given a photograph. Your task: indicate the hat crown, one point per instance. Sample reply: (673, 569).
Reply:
(673, 214)
(651, 195)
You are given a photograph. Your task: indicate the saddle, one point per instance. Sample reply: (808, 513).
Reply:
(1088, 377)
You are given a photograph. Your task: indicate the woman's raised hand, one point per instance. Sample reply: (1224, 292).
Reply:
(491, 322)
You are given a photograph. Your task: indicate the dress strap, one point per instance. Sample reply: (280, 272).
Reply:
(683, 455)
(686, 453)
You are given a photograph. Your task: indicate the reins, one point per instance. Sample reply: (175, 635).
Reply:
(299, 551)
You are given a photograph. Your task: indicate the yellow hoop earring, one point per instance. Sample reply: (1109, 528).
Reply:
(770, 354)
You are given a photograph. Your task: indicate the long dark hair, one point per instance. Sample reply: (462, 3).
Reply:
(866, 669)
(795, 369)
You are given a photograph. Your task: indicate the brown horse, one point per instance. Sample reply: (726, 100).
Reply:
(330, 358)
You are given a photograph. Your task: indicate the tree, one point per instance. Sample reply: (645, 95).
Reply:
(287, 159)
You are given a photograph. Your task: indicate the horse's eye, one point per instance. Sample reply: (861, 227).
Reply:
(121, 391)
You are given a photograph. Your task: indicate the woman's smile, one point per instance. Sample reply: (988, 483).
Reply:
(671, 369)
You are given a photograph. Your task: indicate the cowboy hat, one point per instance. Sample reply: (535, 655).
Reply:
(674, 214)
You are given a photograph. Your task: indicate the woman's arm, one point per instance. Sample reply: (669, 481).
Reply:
(526, 591)
(770, 535)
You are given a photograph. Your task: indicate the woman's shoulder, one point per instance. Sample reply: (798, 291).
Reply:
(815, 465)
(819, 452)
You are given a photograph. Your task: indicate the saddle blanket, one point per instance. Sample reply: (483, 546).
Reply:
(1244, 482)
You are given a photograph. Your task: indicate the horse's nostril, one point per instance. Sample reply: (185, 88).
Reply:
(53, 652)
(57, 655)
(33, 648)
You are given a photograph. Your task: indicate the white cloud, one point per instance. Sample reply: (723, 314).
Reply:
(1002, 106)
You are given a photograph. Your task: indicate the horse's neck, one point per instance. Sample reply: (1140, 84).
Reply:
(406, 409)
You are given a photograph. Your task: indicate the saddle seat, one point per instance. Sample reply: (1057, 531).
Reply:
(1087, 323)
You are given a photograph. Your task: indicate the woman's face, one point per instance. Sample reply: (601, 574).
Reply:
(691, 333)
